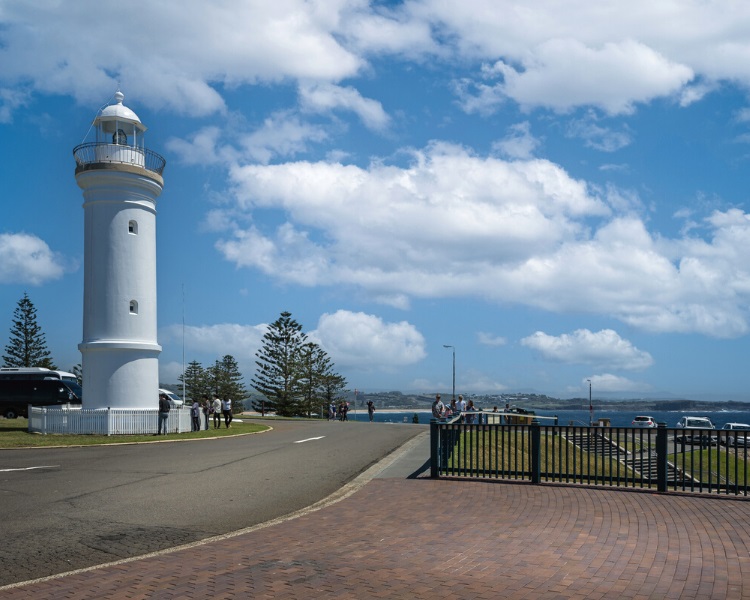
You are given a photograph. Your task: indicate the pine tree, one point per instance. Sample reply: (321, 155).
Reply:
(278, 375)
(333, 387)
(77, 370)
(197, 382)
(226, 382)
(319, 384)
(27, 346)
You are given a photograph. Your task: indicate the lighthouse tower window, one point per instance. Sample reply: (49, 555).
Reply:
(133, 227)
(133, 307)
(120, 138)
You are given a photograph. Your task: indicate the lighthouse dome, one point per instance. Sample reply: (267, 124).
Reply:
(119, 111)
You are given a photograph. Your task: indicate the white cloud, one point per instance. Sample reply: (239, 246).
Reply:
(475, 382)
(385, 228)
(519, 143)
(282, 135)
(10, 101)
(201, 149)
(595, 136)
(325, 97)
(173, 56)
(603, 348)
(25, 258)
(555, 55)
(522, 232)
(489, 339)
(241, 341)
(366, 341)
(562, 74)
(608, 383)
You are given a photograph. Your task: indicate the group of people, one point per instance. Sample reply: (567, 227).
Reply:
(468, 412)
(215, 408)
(339, 411)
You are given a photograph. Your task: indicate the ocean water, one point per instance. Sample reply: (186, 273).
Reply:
(577, 417)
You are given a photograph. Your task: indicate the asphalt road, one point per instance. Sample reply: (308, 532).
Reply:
(68, 508)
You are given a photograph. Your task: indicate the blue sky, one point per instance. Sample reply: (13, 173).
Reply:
(556, 189)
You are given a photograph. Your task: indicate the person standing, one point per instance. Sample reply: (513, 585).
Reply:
(195, 415)
(163, 414)
(216, 407)
(371, 409)
(206, 406)
(471, 413)
(438, 408)
(195, 418)
(226, 408)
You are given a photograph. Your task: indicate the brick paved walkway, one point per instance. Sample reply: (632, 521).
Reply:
(419, 538)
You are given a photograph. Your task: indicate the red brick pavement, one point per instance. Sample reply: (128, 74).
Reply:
(423, 538)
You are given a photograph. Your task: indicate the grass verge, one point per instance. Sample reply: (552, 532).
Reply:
(14, 434)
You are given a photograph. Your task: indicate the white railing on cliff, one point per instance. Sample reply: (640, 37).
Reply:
(105, 421)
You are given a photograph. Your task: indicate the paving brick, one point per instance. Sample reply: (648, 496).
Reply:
(422, 538)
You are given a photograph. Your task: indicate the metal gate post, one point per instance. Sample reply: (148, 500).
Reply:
(661, 457)
(536, 444)
(434, 449)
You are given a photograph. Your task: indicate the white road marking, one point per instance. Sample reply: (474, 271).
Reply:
(309, 440)
(30, 468)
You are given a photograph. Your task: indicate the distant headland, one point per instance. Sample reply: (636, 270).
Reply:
(399, 400)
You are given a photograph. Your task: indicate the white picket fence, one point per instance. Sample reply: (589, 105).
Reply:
(105, 421)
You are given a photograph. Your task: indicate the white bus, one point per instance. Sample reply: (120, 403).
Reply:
(22, 387)
(36, 373)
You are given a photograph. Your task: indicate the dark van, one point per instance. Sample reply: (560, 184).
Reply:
(17, 394)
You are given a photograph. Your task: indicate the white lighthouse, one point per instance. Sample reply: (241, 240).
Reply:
(121, 181)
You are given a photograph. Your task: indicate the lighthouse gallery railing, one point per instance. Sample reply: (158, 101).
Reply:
(94, 153)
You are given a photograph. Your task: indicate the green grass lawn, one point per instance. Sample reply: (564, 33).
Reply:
(14, 434)
(715, 465)
(511, 452)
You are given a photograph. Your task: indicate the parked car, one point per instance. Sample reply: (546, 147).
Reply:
(734, 435)
(694, 431)
(643, 421)
(174, 400)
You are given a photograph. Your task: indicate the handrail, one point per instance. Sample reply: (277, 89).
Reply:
(93, 153)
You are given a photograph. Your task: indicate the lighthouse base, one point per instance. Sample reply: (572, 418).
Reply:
(120, 375)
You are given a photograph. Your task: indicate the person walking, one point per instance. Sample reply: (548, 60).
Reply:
(226, 408)
(216, 408)
(371, 410)
(163, 414)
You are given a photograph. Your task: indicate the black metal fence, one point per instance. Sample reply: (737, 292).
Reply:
(661, 459)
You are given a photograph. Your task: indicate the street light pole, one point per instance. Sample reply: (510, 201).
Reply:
(454, 369)
(591, 406)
